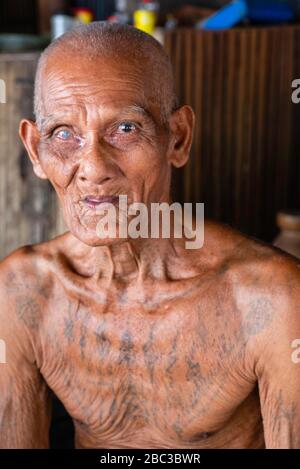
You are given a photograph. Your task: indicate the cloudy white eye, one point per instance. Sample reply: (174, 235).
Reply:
(64, 134)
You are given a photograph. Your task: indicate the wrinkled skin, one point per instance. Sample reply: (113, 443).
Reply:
(146, 343)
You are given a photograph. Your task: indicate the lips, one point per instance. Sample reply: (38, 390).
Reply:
(96, 201)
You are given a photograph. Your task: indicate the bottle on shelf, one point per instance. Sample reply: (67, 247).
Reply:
(145, 16)
(61, 19)
(83, 15)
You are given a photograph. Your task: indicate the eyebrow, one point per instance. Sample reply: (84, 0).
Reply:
(139, 109)
(134, 108)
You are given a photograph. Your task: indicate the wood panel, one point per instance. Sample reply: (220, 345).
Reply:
(245, 159)
(28, 207)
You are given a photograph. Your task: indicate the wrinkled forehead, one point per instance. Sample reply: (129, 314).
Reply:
(98, 83)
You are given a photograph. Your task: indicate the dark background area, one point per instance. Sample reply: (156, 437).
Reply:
(21, 15)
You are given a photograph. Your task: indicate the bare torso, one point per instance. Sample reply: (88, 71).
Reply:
(151, 363)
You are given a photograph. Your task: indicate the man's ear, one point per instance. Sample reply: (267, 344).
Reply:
(182, 123)
(30, 137)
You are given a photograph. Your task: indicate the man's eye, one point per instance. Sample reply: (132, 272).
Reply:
(64, 134)
(127, 127)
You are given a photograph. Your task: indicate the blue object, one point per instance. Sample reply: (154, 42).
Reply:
(266, 11)
(227, 16)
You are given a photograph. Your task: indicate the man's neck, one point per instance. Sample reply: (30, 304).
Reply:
(127, 260)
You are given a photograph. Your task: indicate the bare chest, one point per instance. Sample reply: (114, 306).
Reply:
(169, 376)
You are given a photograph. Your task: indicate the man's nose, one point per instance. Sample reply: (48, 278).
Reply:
(96, 165)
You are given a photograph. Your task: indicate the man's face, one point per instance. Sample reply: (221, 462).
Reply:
(101, 135)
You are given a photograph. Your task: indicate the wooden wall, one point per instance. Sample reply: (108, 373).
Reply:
(28, 208)
(245, 158)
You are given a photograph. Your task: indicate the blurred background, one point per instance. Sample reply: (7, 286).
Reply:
(234, 63)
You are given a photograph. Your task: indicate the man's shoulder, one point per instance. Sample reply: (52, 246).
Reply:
(266, 285)
(248, 256)
(264, 281)
(20, 264)
(264, 267)
(27, 284)
(32, 256)
(27, 269)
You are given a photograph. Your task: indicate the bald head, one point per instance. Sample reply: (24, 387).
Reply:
(113, 42)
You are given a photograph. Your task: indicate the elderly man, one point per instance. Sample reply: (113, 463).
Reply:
(148, 344)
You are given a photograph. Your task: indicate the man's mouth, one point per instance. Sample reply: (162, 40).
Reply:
(95, 201)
